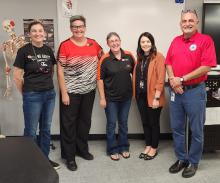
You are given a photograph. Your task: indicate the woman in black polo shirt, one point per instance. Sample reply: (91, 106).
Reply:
(115, 89)
(33, 75)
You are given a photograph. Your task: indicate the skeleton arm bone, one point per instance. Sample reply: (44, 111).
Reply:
(18, 78)
(7, 67)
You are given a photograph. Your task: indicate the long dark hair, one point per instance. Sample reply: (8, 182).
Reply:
(140, 52)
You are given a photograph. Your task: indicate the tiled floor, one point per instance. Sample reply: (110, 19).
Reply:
(133, 170)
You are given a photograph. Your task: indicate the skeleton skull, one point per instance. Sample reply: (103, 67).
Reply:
(8, 26)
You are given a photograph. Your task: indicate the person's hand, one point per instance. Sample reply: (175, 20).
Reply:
(155, 104)
(102, 102)
(178, 90)
(175, 82)
(171, 81)
(66, 99)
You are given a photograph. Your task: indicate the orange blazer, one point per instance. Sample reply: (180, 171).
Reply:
(155, 79)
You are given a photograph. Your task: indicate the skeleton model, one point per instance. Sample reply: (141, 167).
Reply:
(10, 49)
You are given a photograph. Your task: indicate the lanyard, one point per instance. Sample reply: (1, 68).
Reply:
(42, 66)
(143, 66)
(34, 53)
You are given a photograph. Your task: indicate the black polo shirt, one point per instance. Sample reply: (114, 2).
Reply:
(116, 75)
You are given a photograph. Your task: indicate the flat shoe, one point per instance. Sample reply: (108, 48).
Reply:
(86, 156)
(148, 157)
(114, 159)
(178, 166)
(125, 156)
(71, 165)
(142, 155)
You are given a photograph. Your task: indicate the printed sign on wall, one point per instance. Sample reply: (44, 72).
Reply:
(67, 8)
(48, 27)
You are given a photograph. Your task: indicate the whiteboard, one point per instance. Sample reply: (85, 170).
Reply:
(129, 18)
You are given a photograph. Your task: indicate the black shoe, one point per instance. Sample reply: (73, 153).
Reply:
(125, 154)
(54, 165)
(114, 157)
(86, 156)
(148, 157)
(189, 171)
(177, 166)
(142, 155)
(71, 165)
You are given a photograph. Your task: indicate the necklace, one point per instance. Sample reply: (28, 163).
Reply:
(42, 66)
(34, 52)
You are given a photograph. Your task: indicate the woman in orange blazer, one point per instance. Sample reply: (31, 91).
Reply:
(148, 88)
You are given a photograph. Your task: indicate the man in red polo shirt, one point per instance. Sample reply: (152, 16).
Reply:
(189, 58)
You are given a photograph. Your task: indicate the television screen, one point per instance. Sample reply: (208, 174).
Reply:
(211, 24)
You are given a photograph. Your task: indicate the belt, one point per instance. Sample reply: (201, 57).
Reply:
(189, 87)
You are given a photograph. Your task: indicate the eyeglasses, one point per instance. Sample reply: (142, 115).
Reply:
(114, 41)
(75, 27)
(189, 11)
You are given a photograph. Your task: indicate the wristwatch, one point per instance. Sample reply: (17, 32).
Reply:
(181, 79)
(157, 98)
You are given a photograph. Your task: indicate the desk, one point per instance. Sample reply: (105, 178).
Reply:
(21, 161)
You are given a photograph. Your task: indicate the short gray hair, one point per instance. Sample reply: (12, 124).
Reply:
(189, 11)
(77, 17)
(112, 34)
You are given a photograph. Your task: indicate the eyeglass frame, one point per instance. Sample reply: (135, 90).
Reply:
(75, 27)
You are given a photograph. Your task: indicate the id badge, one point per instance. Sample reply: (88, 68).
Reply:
(141, 84)
(172, 96)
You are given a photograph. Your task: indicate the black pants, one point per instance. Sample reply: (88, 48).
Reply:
(75, 123)
(151, 121)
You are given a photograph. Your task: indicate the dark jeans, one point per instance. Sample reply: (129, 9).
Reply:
(38, 108)
(117, 111)
(192, 103)
(151, 121)
(75, 123)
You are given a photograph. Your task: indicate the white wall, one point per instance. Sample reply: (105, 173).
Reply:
(127, 17)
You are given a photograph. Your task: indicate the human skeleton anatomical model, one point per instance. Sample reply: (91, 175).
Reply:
(10, 48)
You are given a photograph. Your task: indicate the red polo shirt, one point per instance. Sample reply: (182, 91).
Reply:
(186, 55)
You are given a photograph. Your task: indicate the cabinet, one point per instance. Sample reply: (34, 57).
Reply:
(212, 130)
